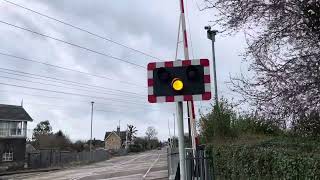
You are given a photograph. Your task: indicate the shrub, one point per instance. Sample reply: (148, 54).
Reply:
(278, 158)
(307, 125)
(224, 123)
(135, 148)
(217, 123)
(252, 124)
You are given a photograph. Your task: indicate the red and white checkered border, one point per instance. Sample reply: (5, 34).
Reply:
(199, 97)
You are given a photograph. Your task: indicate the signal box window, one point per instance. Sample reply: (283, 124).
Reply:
(7, 156)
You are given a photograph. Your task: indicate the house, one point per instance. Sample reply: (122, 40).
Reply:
(13, 133)
(115, 140)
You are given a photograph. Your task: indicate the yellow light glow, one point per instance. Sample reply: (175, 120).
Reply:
(177, 84)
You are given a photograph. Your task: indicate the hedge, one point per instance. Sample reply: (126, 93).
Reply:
(271, 160)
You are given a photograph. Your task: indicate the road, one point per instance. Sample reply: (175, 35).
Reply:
(147, 165)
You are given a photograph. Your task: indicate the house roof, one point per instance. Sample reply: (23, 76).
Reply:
(11, 112)
(122, 135)
(113, 132)
(30, 148)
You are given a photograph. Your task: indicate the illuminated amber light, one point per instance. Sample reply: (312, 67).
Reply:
(177, 84)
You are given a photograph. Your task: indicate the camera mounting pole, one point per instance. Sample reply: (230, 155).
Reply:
(211, 34)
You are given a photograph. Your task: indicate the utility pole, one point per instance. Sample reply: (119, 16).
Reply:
(211, 34)
(169, 128)
(127, 137)
(91, 125)
(181, 140)
(174, 124)
(174, 129)
(189, 127)
(182, 157)
(190, 104)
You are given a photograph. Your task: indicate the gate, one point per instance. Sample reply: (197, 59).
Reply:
(200, 166)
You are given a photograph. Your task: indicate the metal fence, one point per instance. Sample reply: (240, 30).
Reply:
(173, 162)
(198, 167)
(54, 158)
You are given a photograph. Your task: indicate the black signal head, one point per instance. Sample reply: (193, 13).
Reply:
(164, 75)
(192, 73)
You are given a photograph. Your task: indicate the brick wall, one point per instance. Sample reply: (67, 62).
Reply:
(113, 142)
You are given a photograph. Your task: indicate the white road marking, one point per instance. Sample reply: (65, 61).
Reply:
(145, 175)
(158, 174)
(136, 164)
(122, 177)
(114, 167)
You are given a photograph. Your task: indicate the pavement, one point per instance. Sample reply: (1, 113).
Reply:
(147, 165)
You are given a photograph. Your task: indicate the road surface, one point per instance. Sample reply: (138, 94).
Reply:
(147, 165)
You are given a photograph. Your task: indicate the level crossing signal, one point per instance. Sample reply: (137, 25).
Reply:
(174, 81)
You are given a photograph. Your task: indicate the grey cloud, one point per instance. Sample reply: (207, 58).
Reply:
(147, 25)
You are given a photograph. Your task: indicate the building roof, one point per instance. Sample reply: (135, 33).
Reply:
(113, 132)
(122, 135)
(11, 112)
(30, 148)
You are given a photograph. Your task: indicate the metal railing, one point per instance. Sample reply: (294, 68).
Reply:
(173, 162)
(198, 167)
(56, 158)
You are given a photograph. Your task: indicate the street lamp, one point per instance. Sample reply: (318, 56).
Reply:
(211, 35)
(91, 125)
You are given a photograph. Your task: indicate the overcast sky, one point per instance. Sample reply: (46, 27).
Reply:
(149, 26)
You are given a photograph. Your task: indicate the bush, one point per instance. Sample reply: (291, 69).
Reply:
(224, 123)
(217, 123)
(252, 124)
(307, 125)
(278, 158)
(135, 148)
(143, 144)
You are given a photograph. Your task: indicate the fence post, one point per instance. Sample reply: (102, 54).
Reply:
(60, 158)
(202, 165)
(28, 160)
(206, 166)
(188, 166)
(168, 161)
(40, 163)
(212, 168)
(50, 164)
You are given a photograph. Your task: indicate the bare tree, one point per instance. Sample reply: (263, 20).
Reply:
(151, 133)
(132, 131)
(283, 50)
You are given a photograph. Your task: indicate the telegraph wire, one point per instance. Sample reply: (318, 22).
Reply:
(73, 85)
(142, 110)
(72, 44)
(47, 84)
(66, 93)
(127, 105)
(61, 108)
(64, 68)
(62, 81)
(81, 29)
(64, 108)
(46, 78)
(100, 108)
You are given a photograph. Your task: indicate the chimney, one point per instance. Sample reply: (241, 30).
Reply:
(118, 130)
